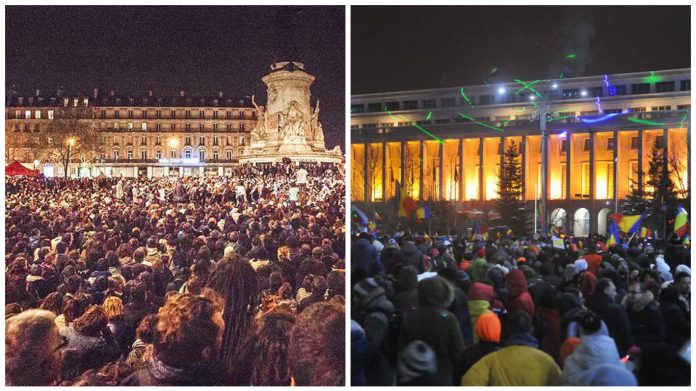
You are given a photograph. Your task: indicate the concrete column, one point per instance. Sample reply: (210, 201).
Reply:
(592, 181)
(420, 177)
(149, 172)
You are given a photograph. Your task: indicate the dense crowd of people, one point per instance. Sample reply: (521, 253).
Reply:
(519, 311)
(177, 281)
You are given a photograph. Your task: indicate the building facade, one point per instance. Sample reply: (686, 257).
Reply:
(150, 135)
(156, 136)
(447, 145)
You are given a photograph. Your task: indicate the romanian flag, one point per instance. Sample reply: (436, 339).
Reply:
(681, 222)
(423, 212)
(645, 232)
(628, 224)
(614, 238)
(687, 241)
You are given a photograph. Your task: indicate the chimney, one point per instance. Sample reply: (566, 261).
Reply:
(220, 94)
(95, 93)
(182, 93)
(38, 92)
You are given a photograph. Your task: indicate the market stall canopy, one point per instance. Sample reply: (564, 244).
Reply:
(16, 168)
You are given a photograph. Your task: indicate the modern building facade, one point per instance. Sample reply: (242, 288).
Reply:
(447, 144)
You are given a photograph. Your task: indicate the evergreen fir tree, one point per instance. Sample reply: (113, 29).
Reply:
(512, 209)
(658, 190)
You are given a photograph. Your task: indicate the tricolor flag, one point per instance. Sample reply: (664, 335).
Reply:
(423, 212)
(614, 238)
(628, 224)
(681, 222)
(645, 232)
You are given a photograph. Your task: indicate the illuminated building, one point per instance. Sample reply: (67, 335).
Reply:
(447, 144)
(174, 136)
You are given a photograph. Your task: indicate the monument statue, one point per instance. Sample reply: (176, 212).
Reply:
(288, 126)
(259, 131)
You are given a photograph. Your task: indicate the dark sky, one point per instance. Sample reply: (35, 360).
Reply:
(201, 50)
(416, 47)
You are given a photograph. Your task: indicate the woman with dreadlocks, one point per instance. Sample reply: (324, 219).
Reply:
(236, 282)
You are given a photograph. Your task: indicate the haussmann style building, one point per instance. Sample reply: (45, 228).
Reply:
(157, 136)
(447, 144)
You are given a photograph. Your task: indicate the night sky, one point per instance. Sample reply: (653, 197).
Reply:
(201, 50)
(416, 47)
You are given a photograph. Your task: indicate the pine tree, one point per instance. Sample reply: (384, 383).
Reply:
(659, 190)
(512, 209)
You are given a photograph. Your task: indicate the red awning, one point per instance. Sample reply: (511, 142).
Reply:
(16, 168)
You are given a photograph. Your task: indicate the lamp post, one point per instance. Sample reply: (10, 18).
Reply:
(36, 164)
(543, 113)
(71, 143)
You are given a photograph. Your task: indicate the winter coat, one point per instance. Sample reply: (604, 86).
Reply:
(647, 325)
(136, 358)
(411, 256)
(514, 365)
(615, 318)
(477, 269)
(434, 325)
(119, 331)
(406, 296)
(471, 356)
(520, 299)
(158, 373)
(364, 257)
(677, 326)
(594, 350)
(94, 352)
(551, 341)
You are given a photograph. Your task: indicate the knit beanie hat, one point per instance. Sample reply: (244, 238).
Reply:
(580, 265)
(488, 327)
(480, 291)
(416, 359)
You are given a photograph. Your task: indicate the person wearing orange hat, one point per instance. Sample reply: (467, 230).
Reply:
(479, 302)
(488, 331)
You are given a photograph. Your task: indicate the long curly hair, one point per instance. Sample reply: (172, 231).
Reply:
(236, 282)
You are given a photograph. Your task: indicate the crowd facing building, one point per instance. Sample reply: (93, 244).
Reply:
(447, 144)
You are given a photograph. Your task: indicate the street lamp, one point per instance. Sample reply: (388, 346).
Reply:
(173, 143)
(542, 113)
(71, 143)
(36, 164)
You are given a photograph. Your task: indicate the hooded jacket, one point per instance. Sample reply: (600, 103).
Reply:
(364, 257)
(488, 330)
(678, 329)
(406, 297)
(615, 318)
(518, 364)
(647, 325)
(434, 325)
(520, 299)
(412, 256)
(595, 349)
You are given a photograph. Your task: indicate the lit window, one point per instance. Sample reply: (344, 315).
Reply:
(115, 154)
(130, 126)
(37, 114)
(50, 114)
(143, 126)
(27, 114)
(216, 155)
(201, 155)
(143, 155)
(228, 154)
(158, 154)
(130, 155)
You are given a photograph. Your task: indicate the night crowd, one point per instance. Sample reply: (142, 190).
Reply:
(519, 311)
(232, 281)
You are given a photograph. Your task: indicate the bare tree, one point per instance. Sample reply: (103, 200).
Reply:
(71, 137)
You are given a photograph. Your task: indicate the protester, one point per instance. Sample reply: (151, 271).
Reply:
(556, 288)
(107, 255)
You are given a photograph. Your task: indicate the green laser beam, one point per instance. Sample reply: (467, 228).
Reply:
(561, 77)
(571, 55)
(494, 70)
(441, 141)
(521, 110)
(466, 98)
(560, 118)
(653, 78)
(501, 124)
(430, 114)
(643, 121)
(480, 123)
(527, 86)
(684, 118)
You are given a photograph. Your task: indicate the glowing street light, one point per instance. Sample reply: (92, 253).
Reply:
(173, 143)
(554, 86)
(583, 93)
(501, 90)
(532, 97)
(36, 164)
(71, 143)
